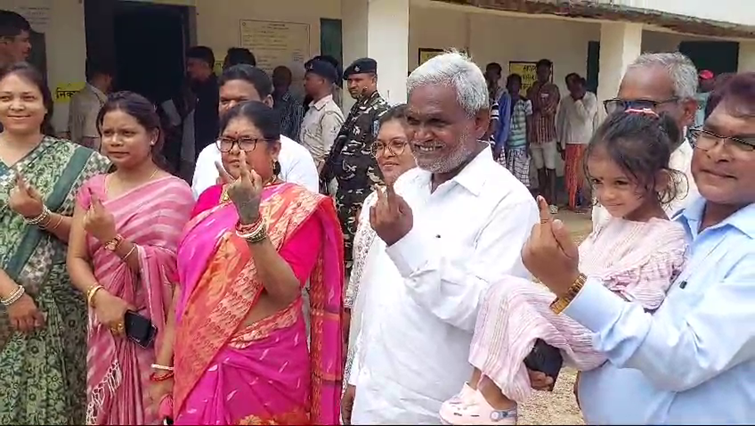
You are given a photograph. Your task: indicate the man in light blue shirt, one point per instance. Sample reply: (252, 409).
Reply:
(693, 360)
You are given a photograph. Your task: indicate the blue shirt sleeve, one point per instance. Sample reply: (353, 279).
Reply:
(504, 122)
(715, 335)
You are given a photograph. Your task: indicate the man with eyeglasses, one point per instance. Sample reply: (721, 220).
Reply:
(693, 359)
(667, 84)
(245, 83)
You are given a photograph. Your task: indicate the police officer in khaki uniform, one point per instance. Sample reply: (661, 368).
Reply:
(324, 119)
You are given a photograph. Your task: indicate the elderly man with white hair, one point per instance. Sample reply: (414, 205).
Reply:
(448, 229)
(667, 84)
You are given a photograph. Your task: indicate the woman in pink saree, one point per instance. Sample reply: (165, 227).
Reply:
(240, 346)
(122, 256)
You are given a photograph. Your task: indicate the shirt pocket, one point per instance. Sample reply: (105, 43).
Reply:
(686, 295)
(311, 131)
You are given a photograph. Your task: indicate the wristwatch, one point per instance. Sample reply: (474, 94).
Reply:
(558, 305)
(113, 244)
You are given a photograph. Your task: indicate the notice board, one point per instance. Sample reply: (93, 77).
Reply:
(276, 43)
(528, 72)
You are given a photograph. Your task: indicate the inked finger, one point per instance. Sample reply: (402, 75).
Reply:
(544, 208)
(391, 198)
(224, 176)
(244, 166)
(380, 196)
(373, 217)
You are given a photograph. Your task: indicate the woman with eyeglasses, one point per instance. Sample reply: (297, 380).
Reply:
(238, 339)
(394, 157)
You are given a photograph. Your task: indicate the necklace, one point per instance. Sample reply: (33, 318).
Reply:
(108, 179)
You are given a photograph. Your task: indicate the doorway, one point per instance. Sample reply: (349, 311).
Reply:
(150, 41)
(145, 42)
(716, 56)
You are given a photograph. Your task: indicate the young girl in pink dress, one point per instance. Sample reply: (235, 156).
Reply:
(637, 254)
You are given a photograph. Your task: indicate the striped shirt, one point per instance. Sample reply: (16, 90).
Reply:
(545, 101)
(518, 133)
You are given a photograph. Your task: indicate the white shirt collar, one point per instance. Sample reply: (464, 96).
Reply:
(472, 177)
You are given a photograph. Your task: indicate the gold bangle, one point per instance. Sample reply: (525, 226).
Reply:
(251, 231)
(91, 293)
(113, 244)
(561, 303)
(244, 231)
(257, 235)
(57, 223)
(130, 252)
(41, 218)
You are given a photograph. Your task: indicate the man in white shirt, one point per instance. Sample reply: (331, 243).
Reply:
(667, 84)
(242, 83)
(452, 227)
(575, 123)
(86, 105)
(324, 118)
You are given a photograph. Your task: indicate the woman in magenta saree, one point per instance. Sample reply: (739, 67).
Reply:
(240, 347)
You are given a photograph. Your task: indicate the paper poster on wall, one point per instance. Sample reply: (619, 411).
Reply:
(65, 91)
(37, 12)
(276, 43)
(528, 71)
(425, 54)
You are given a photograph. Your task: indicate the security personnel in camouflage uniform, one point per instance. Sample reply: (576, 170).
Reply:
(351, 162)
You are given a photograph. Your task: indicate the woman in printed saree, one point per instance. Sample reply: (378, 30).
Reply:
(122, 256)
(240, 346)
(42, 318)
(394, 158)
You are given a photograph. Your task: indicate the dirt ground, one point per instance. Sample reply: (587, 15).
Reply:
(558, 407)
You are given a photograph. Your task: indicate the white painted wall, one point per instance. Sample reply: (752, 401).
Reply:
(504, 39)
(66, 48)
(494, 38)
(655, 41)
(218, 20)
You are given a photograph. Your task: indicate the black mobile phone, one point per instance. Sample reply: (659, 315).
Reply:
(545, 359)
(140, 329)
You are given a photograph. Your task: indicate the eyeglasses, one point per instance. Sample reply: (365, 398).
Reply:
(621, 105)
(246, 144)
(705, 140)
(395, 147)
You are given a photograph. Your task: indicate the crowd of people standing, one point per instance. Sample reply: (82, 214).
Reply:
(377, 268)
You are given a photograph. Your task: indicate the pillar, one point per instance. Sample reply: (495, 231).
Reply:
(378, 29)
(746, 56)
(620, 45)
